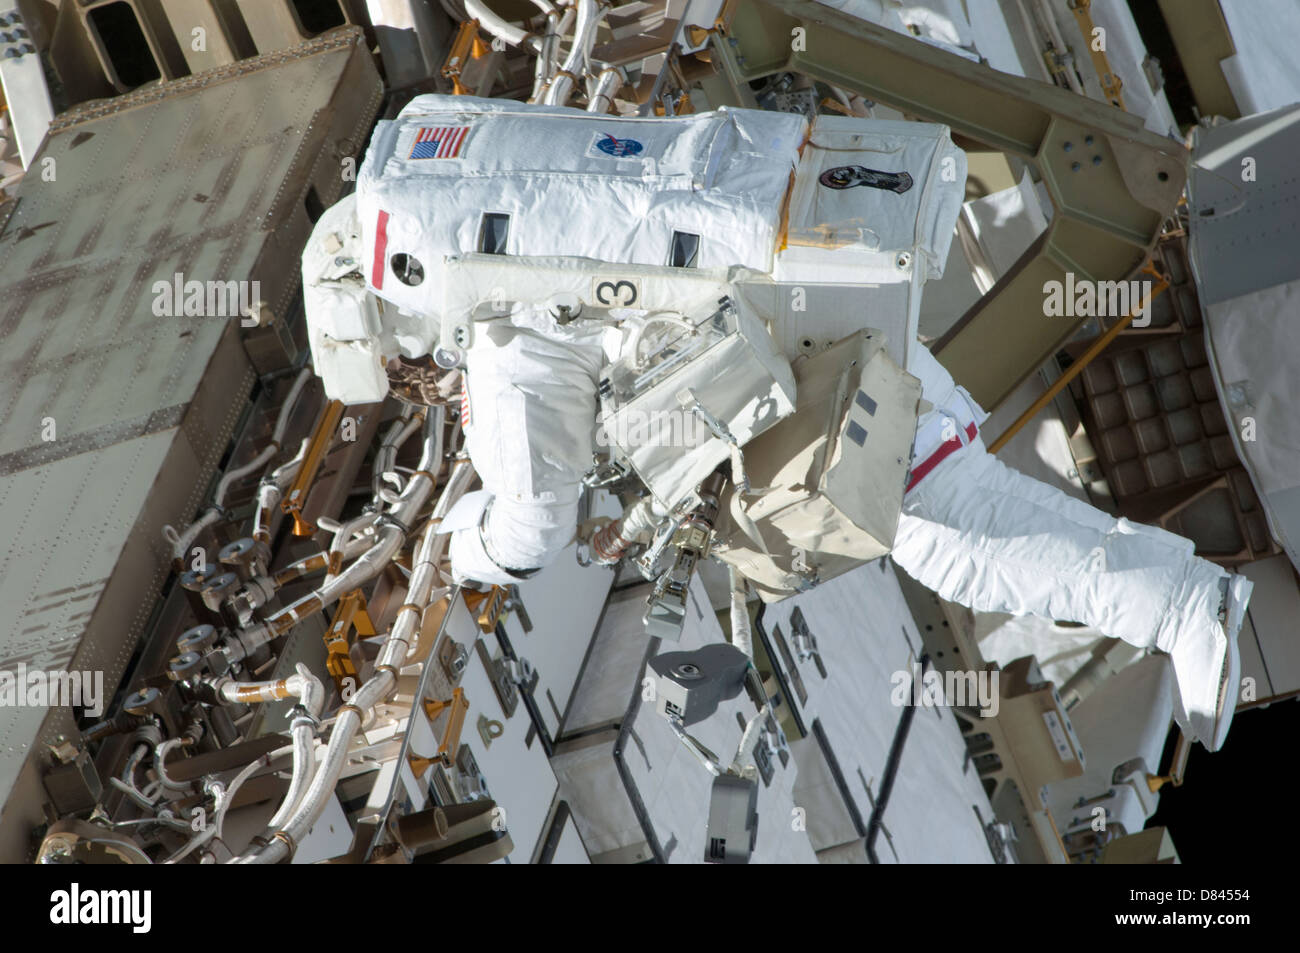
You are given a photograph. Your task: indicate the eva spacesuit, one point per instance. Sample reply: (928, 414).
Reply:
(973, 530)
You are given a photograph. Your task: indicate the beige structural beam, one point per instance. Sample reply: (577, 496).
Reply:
(1112, 183)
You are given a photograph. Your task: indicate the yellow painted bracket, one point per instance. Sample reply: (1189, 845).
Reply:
(467, 45)
(1111, 84)
(487, 606)
(321, 439)
(351, 615)
(448, 748)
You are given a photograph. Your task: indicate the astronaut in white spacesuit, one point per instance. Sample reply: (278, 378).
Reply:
(971, 529)
(975, 531)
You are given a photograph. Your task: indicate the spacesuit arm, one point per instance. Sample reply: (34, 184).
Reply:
(511, 541)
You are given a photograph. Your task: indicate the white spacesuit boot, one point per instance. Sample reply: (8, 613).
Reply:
(988, 537)
(529, 410)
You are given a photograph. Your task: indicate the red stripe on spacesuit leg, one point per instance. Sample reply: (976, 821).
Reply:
(946, 449)
(381, 249)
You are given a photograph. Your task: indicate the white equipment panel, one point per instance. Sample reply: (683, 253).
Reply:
(866, 635)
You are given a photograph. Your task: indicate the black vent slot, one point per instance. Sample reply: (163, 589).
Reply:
(493, 233)
(685, 250)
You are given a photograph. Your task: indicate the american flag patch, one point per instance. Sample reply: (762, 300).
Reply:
(439, 142)
(464, 405)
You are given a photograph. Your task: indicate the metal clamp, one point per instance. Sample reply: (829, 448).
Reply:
(605, 474)
(489, 729)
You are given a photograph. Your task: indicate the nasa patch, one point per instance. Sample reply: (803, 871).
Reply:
(605, 146)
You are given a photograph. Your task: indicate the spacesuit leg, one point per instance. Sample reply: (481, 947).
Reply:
(986, 536)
